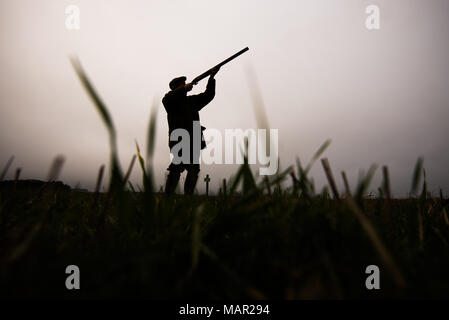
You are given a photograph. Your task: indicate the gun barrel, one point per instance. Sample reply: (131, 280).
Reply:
(207, 73)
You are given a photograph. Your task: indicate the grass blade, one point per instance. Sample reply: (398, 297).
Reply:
(151, 134)
(330, 177)
(130, 168)
(99, 178)
(317, 154)
(5, 170)
(116, 173)
(386, 184)
(55, 168)
(345, 181)
(365, 182)
(416, 176)
(17, 176)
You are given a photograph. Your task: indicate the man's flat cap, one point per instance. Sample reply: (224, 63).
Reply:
(176, 81)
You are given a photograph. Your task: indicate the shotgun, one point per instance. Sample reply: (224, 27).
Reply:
(208, 72)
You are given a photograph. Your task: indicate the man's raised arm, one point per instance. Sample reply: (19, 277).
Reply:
(199, 101)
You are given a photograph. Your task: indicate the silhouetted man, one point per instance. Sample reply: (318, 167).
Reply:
(182, 111)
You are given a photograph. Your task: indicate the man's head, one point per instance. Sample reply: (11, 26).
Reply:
(176, 82)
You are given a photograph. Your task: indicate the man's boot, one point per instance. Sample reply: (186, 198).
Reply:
(190, 183)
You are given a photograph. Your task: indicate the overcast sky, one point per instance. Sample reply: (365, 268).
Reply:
(381, 95)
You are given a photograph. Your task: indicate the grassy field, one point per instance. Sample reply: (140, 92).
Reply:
(283, 246)
(255, 240)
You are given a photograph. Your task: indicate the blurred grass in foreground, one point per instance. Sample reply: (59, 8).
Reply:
(262, 242)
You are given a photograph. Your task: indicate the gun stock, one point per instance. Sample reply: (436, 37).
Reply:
(208, 72)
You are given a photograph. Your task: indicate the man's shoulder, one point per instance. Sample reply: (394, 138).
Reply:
(167, 95)
(168, 98)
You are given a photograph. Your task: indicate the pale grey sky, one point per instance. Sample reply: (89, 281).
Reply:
(381, 95)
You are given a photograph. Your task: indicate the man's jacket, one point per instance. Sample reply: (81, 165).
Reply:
(182, 110)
